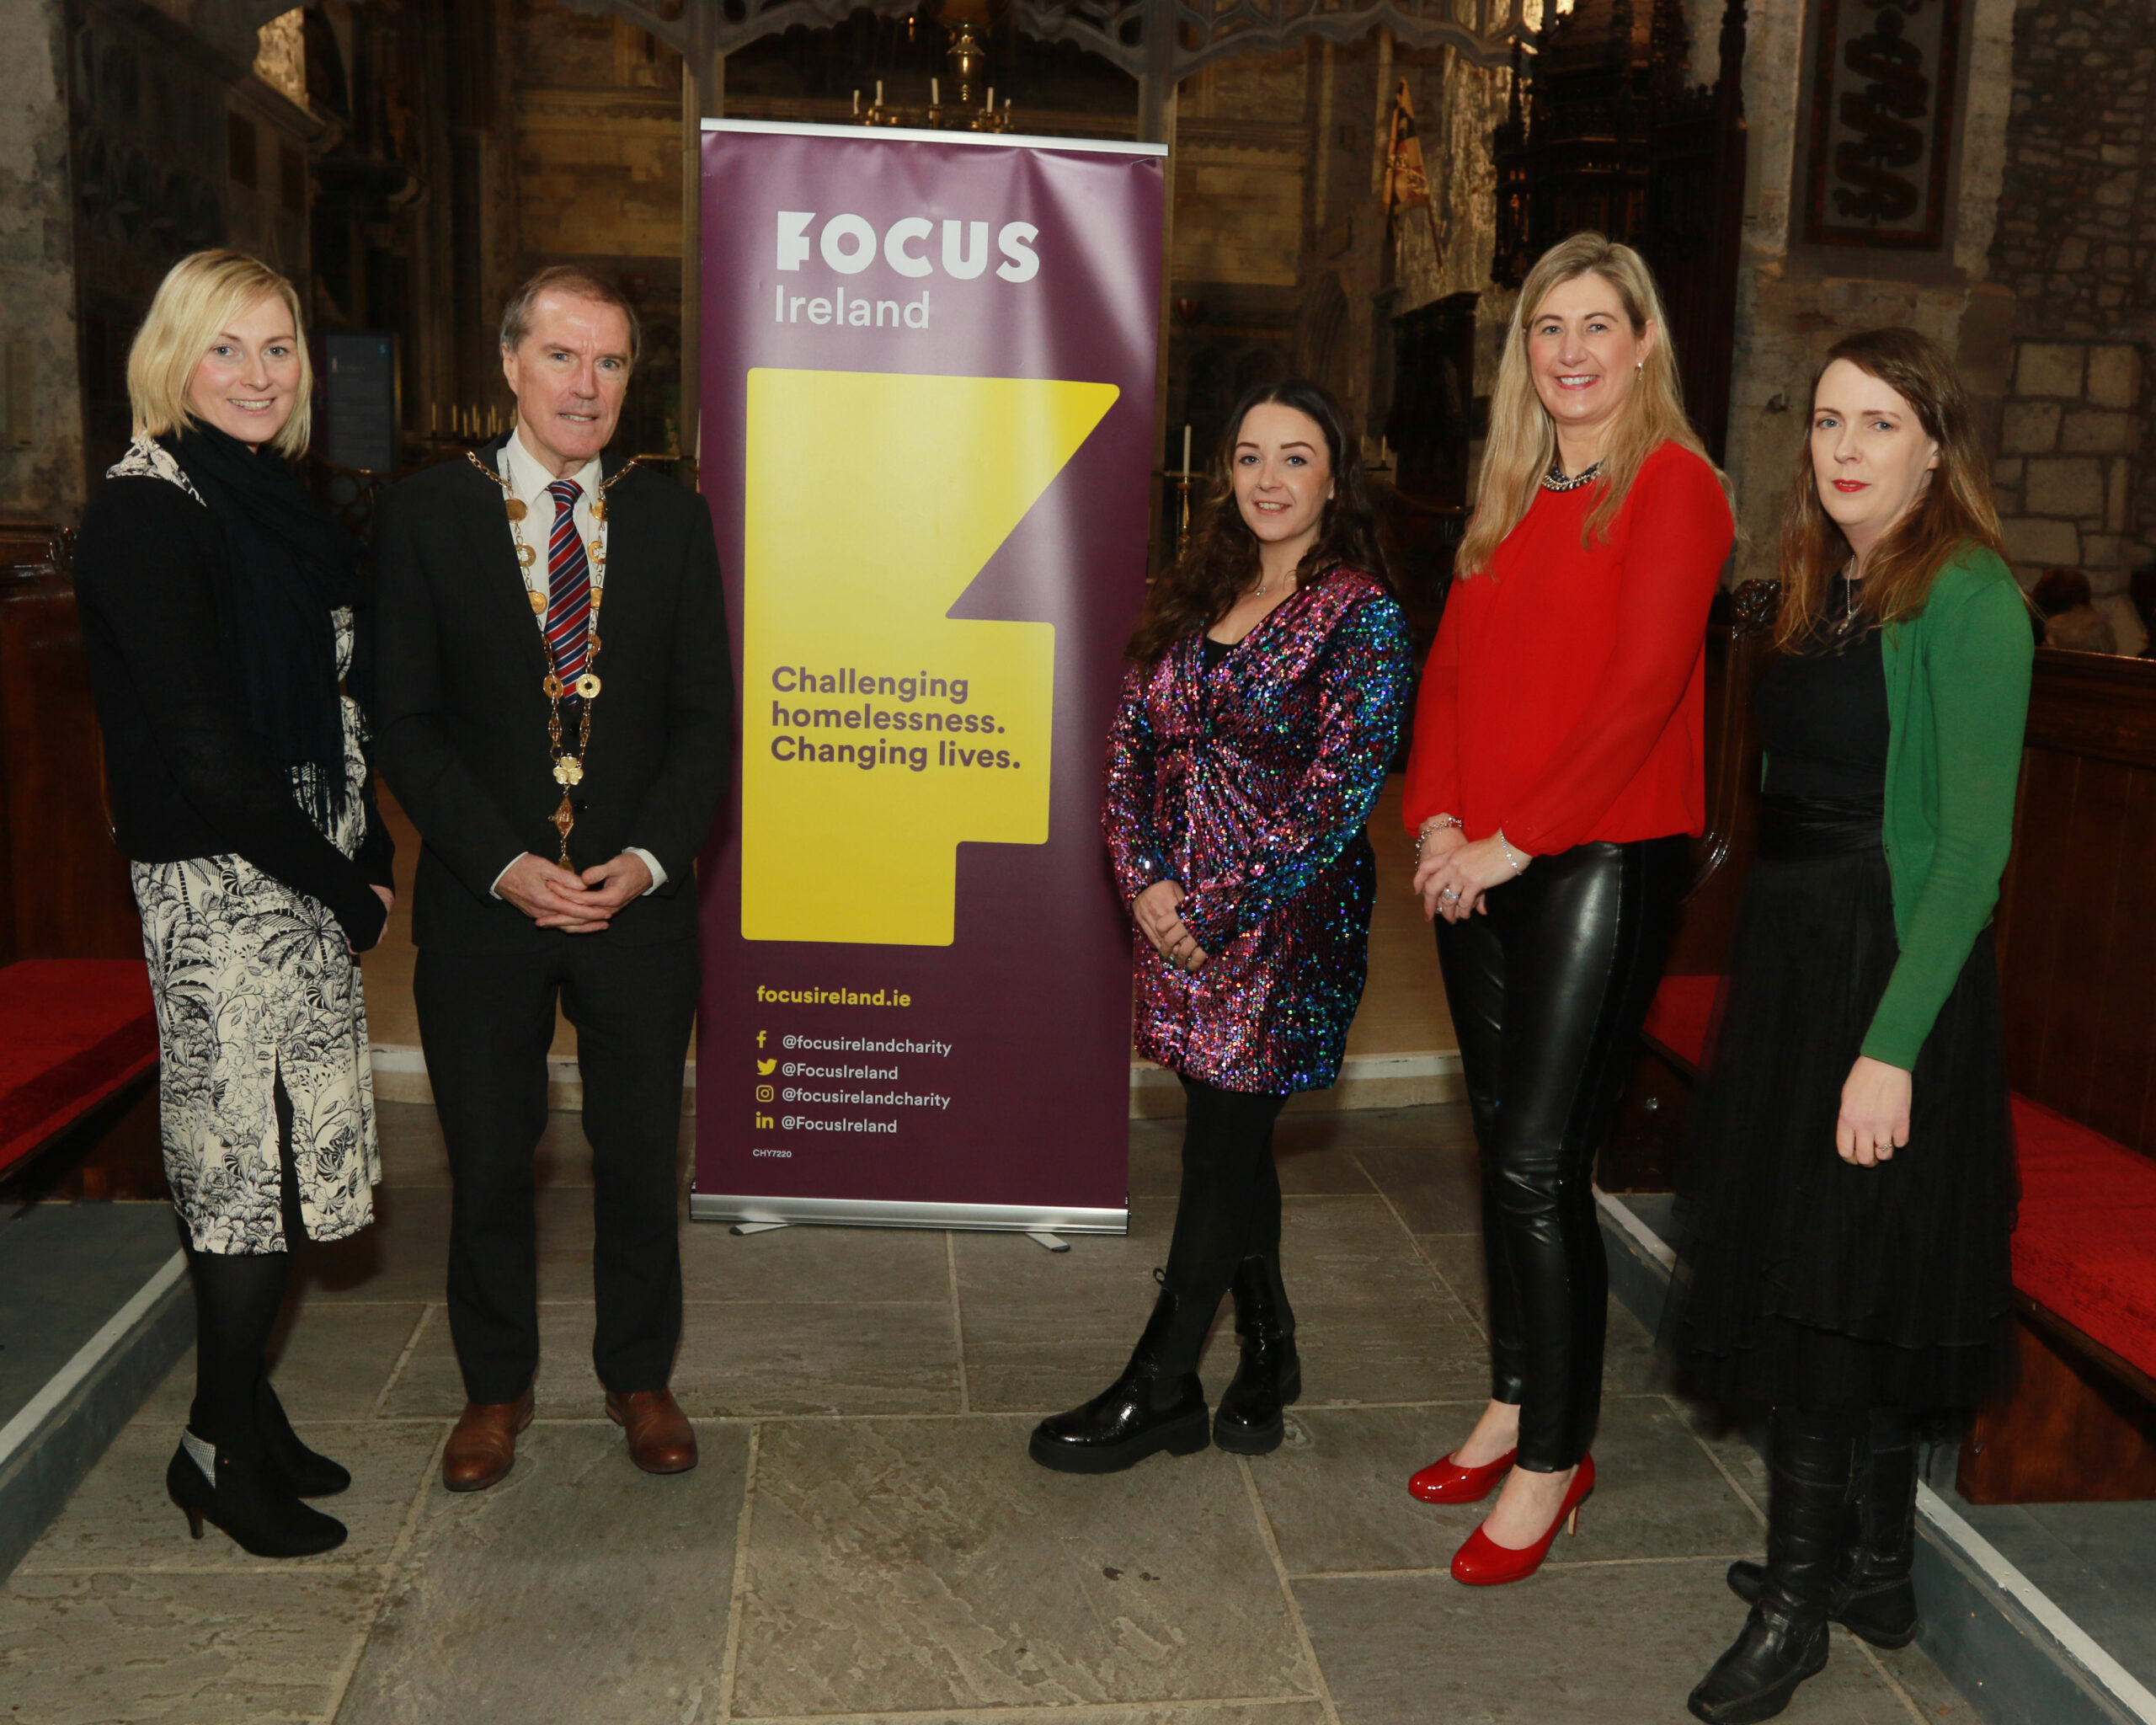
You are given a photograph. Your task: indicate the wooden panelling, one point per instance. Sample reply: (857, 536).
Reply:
(2072, 1432)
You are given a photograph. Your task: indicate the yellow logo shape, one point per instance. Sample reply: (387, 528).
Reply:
(878, 733)
(765, 1068)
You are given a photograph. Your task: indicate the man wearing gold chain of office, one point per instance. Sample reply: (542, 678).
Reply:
(552, 707)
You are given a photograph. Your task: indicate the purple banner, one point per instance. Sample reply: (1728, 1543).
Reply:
(928, 376)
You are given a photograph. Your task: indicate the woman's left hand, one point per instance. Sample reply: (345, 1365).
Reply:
(1874, 1118)
(1455, 887)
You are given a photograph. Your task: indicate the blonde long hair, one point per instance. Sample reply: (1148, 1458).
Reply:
(1523, 440)
(201, 295)
(1954, 508)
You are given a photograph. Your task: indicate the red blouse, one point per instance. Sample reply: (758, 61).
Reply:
(1564, 699)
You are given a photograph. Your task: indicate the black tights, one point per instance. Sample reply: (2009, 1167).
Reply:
(236, 1299)
(1229, 1208)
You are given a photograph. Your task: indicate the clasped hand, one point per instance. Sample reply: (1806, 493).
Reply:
(1155, 911)
(555, 897)
(1874, 1121)
(1455, 872)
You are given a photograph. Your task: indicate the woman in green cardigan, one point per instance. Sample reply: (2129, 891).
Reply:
(1850, 1190)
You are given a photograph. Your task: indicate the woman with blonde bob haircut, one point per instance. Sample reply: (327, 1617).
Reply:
(217, 599)
(1849, 1188)
(1555, 774)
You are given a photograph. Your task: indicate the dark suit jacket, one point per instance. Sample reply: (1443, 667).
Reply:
(454, 664)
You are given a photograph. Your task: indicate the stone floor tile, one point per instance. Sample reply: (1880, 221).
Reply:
(1616, 1644)
(1220, 1712)
(577, 1589)
(1307, 1168)
(844, 1264)
(403, 1256)
(119, 1517)
(1437, 1189)
(1407, 1129)
(1352, 1253)
(747, 1359)
(1656, 1494)
(905, 1565)
(1337, 1492)
(121, 1649)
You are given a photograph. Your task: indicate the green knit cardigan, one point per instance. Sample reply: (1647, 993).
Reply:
(1957, 703)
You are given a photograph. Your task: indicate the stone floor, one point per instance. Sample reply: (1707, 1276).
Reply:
(866, 1539)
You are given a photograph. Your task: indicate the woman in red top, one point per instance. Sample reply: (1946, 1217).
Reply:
(1556, 773)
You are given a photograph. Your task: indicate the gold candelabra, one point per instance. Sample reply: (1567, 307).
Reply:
(970, 110)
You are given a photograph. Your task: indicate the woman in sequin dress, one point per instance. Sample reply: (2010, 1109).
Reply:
(1262, 706)
(1556, 773)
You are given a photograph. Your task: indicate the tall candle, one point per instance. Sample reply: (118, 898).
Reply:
(879, 93)
(934, 95)
(991, 99)
(857, 102)
(1186, 449)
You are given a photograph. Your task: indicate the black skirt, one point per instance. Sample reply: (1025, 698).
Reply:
(1803, 1279)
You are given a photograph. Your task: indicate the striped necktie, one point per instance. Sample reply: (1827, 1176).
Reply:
(568, 585)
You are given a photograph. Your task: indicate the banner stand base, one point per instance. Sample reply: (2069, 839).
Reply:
(757, 1214)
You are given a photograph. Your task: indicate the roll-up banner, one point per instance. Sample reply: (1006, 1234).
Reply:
(927, 391)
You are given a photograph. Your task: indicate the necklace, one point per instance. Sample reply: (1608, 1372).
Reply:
(1556, 479)
(568, 768)
(1849, 582)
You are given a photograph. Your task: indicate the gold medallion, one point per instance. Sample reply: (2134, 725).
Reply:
(538, 602)
(551, 686)
(515, 507)
(526, 556)
(599, 508)
(595, 553)
(568, 771)
(588, 685)
(597, 593)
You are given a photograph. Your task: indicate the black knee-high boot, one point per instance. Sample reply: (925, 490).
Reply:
(1873, 1597)
(1157, 1404)
(1251, 1417)
(1811, 1463)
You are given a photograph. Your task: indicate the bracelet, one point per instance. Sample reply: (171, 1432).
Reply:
(1435, 823)
(1505, 848)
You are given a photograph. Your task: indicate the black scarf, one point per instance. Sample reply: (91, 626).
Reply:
(291, 564)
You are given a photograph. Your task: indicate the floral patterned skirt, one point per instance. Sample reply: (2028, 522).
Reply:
(252, 982)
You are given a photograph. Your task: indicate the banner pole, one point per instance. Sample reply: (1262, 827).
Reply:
(703, 96)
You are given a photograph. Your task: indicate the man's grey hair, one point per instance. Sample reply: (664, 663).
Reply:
(573, 279)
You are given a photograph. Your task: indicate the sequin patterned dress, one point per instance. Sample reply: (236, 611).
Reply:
(1251, 783)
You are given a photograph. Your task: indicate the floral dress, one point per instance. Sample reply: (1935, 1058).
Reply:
(254, 982)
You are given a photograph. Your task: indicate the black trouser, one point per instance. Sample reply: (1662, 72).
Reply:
(237, 1296)
(1547, 993)
(1230, 1207)
(486, 1021)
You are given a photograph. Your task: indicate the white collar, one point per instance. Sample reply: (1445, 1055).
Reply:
(528, 476)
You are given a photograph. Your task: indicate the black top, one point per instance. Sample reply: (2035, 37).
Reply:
(455, 665)
(1822, 713)
(188, 777)
(1215, 651)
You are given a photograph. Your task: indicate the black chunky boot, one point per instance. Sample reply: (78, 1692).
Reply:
(1157, 1404)
(306, 1473)
(1250, 1420)
(1873, 1598)
(1811, 1463)
(249, 1501)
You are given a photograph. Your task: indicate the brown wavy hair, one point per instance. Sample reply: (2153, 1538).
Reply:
(1954, 507)
(1220, 563)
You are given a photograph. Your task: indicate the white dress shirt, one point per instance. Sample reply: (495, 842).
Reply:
(528, 479)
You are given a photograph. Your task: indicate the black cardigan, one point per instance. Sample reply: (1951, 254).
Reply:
(187, 776)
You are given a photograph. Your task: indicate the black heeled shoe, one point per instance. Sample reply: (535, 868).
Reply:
(306, 1472)
(1251, 1417)
(1157, 1404)
(249, 1502)
(1873, 1597)
(1784, 1639)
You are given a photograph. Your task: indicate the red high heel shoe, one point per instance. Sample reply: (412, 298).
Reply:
(1483, 1562)
(1447, 1481)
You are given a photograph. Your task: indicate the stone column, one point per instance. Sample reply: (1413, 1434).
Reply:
(41, 394)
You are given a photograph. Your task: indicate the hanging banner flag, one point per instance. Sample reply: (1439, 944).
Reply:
(927, 395)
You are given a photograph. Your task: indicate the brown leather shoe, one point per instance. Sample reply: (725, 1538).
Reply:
(484, 1445)
(661, 1440)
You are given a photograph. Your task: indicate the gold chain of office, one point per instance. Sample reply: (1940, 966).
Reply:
(567, 766)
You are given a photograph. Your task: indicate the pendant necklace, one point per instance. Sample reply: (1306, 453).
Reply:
(567, 767)
(1556, 479)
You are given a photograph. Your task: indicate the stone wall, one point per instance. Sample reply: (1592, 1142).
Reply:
(2076, 244)
(40, 405)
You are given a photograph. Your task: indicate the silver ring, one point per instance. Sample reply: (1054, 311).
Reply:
(1448, 896)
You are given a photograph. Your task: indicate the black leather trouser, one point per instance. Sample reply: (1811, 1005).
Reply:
(1547, 993)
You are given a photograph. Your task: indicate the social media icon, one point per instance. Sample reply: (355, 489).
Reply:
(765, 1068)
(763, 1093)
